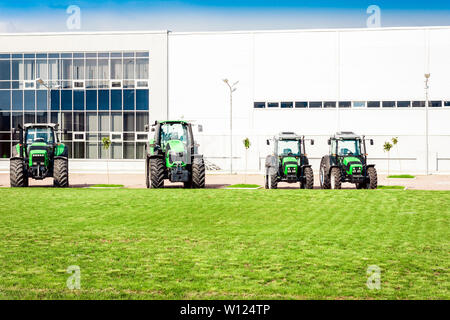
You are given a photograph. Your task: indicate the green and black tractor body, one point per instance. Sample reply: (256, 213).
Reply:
(289, 162)
(347, 162)
(39, 155)
(173, 154)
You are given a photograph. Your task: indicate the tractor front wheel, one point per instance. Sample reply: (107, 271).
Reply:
(61, 173)
(325, 181)
(17, 174)
(336, 178)
(156, 179)
(309, 178)
(198, 173)
(373, 178)
(271, 179)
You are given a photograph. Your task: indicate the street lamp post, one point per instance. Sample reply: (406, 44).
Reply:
(232, 88)
(49, 97)
(427, 104)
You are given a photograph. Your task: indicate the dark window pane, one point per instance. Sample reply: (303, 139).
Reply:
(42, 117)
(30, 100)
(273, 105)
(29, 55)
(78, 150)
(67, 121)
(373, 104)
(103, 99)
(17, 119)
(78, 100)
(141, 99)
(436, 104)
(128, 121)
(128, 99)
(78, 121)
(142, 54)
(41, 100)
(116, 99)
(141, 121)
(286, 105)
(5, 70)
(5, 100)
(128, 150)
(15, 69)
(259, 105)
(345, 104)
(5, 55)
(301, 104)
(418, 104)
(315, 104)
(446, 103)
(30, 117)
(5, 150)
(388, 104)
(5, 122)
(54, 95)
(17, 55)
(66, 100)
(5, 84)
(329, 104)
(91, 99)
(17, 100)
(404, 104)
(140, 150)
(55, 117)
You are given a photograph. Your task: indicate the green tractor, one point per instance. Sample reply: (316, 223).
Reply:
(289, 162)
(39, 155)
(172, 154)
(347, 162)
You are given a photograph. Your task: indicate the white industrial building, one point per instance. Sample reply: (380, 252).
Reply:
(313, 82)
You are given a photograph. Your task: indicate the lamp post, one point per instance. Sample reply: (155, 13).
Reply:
(49, 96)
(232, 88)
(427, 104)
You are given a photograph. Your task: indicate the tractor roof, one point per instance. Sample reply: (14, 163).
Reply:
(40, 125)
(346, 135)
(288, 136)
(174, 121)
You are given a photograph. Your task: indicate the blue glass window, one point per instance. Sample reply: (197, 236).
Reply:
(128, 99)
(17, 100)
(91, 99)
(41, 99)
(30, 100)
(116, 99)
(5, 100)
(66, 100)
(5, 70)
(103, 99)
(78, 100)
(54, 97)
(141, 99)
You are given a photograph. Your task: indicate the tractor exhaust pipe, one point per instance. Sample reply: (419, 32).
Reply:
(20, 139)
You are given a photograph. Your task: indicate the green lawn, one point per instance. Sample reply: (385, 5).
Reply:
(213, 244)
(247, 186)
(401, 176)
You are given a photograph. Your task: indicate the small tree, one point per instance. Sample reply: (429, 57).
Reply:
(106, 142)
(387, 148)
(247, 145)
(394, 143)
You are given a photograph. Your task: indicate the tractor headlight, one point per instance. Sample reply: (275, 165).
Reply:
(357, 170)
(291, 170)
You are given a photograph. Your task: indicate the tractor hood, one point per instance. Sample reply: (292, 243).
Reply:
(176, 153)
(352, 165)
(289, 165)
(38, 154)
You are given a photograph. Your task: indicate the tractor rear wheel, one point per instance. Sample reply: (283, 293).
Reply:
(325, 181)
(17, 174)
(198, 173)
(156, 179)
(309, 178)
(61, 173)
(336, 178)
(373, 178)
(271, 179)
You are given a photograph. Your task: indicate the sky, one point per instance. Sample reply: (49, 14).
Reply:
(214, 15)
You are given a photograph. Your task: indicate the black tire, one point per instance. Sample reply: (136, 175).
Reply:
(147, 172)
(198, 173)
(324, 176)
(373, 178)
(17, 174)
(273, 179)
(61, 173)
(309, 178)
(336, 178)
(156, 179)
